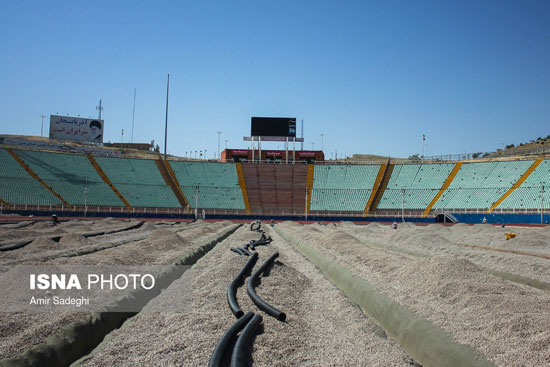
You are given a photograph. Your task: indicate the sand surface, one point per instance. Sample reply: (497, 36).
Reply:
(507, 322)
(323, 328)
(426, 269)
(20, 331)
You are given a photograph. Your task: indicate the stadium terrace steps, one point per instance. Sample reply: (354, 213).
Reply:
(139, 181)
(276, 187)
(72, 176)
(342, 187)
(242, 184)
(107, 181)
(480, 185)
(528, 194)
(46, 178)
(380, 184)
(218, 184)
(446, 184)
(179, 194)
(21, 185)
(18, 187)
(517, 184)
(415, 184)
(170, 179)
(309, 184)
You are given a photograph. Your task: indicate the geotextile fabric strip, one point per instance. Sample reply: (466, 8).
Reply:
(421, 339)
(78, 339)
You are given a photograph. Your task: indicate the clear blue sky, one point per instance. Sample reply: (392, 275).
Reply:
(373, 76)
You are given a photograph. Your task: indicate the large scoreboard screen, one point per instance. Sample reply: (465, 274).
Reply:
(273, 126)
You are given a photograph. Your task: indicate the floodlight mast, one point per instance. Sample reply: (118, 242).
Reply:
(133, 114)
(166, 121)
(99, 108)
(541, 203)
(219, 134)
(42, 128)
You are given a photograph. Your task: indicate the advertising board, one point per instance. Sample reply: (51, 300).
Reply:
(76, 128)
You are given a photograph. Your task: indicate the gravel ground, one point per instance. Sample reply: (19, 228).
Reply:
(506, 322)
(20, 331)
(440, 240)
(323, 328)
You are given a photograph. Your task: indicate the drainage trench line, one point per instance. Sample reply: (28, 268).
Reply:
(78, 340)
(420, 338)
(86, 251)
(135, 226)
(15, 246)
(262, 305)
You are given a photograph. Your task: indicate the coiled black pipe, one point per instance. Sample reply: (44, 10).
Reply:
(261, 242)
(262, 305)
(232, 289)
(217, 356)
(237, 250)
(239, 358)
(255, 229)
(246, 252)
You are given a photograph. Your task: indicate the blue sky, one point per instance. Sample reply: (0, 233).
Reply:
(373, 76)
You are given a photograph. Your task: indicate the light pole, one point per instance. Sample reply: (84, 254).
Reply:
(205, 154)
(219, 134)
(225, 145)
(305, 209)
(312, 145)
(322, 141)
(403, 204)
(42, 128)
(166, 122)
(541, 202)
(85, 195)
(196, 201)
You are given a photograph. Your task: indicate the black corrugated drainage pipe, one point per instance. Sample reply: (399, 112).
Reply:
(246, 252)
(237, 250)
(216, 359)
(239, 358)
(262, 305)
(239, 279)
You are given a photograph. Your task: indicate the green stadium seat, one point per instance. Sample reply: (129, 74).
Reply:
(72, 176)
(342, 187)
(217, 182)
(480, 185)
(415, 184)
(139, 181)
(528, 195)
(18, 187)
